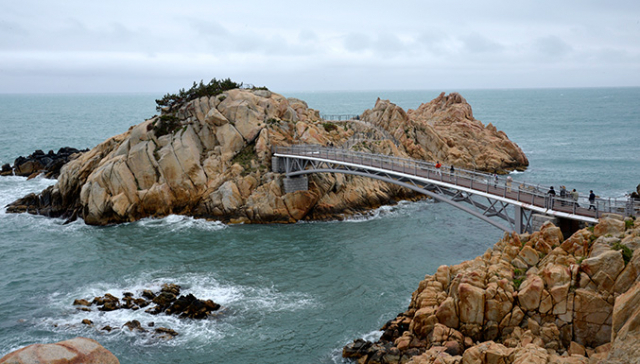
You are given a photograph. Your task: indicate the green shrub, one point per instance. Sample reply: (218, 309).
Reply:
(166, 124)
(213, 88)
(328, 127)
(245, 157)
(627, 253)
(628, 224)
(517, 282)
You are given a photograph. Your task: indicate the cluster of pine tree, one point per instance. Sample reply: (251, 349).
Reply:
(213, 88)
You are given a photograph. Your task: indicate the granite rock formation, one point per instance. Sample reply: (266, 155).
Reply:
(211, 158)
(75, 351)
(532, 298)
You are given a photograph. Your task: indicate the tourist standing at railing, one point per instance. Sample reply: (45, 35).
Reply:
(452, 171)
(592, 200)
(509, 181)
(551, 194)
(563, 195)
(575, 196)
(438, 166)
(495, 180)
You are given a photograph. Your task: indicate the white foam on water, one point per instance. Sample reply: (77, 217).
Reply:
(236, 301)
(402, 208)
(179, 223)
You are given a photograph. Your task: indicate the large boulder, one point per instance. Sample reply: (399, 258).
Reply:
(80, 350)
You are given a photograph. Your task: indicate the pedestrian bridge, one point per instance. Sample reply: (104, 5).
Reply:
(479, 194)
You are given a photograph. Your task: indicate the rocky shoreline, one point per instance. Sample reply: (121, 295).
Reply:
(38, 163)
(210, 157)
(532, 298)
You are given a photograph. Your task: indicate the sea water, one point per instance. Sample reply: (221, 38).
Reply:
(291, 293)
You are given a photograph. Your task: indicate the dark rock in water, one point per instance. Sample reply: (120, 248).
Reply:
(39, 162)
(358, 348)
(164, 330)
(185, 306)
(107, 328)
(134, 325)
(81, 303)
(87, 322)
(171, 288)
(164, 299)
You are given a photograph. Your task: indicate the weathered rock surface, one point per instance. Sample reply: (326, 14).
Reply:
(75, 351)
(211, 158)
(532, 298)
(445, 130)
(38, 162)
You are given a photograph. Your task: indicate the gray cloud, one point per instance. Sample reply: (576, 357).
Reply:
(308, 46)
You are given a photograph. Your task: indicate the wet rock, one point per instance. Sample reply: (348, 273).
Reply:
(164, 299)
(174, 289)
(38, 162)
(81, 302)
(134, 325)
(87, 322)
(164, 330)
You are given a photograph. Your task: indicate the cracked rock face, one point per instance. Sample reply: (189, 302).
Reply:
(577, 302)
(211, 158)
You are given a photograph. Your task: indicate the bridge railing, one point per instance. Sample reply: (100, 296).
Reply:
(521, 191)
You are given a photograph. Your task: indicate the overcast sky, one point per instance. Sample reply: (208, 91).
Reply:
(161, 46)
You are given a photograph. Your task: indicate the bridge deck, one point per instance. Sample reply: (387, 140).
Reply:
(522, 194)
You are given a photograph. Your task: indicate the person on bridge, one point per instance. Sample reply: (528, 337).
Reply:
(551, 194)
(495, 180)
(438, 166)
(563, 195)
(452, 171)
(575, 196)
(592, 200)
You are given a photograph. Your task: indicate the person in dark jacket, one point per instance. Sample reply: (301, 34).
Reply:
(592, 200)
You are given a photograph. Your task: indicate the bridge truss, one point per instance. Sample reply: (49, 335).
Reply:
(478, 194)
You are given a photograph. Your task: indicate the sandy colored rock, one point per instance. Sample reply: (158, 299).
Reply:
(609, 226)
(196, 159)
(75, 351)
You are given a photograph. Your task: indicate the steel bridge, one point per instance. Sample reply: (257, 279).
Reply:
(479, 194)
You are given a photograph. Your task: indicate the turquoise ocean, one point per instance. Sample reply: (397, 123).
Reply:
(292, 293)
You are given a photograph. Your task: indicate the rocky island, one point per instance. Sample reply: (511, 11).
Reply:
(208, 155)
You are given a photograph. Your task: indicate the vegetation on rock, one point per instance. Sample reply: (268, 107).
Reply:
(213, 88)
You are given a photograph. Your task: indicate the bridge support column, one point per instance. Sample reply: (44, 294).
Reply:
(539, 219)
(519, 220)
(295, 184)
(277, 165)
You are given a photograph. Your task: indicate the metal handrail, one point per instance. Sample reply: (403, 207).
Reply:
(480, 181)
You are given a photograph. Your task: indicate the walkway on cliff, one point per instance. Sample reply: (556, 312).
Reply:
(513, 201)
